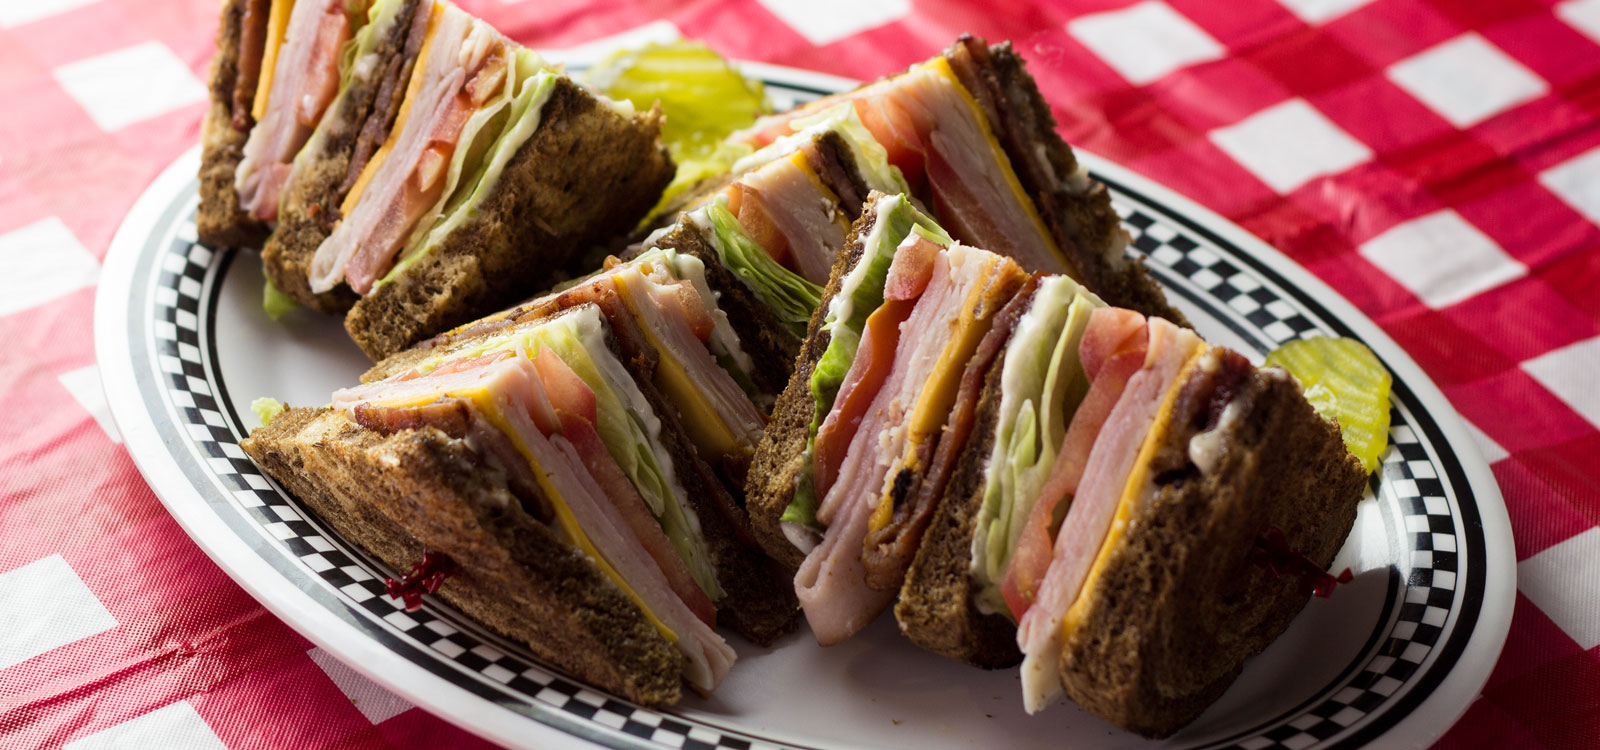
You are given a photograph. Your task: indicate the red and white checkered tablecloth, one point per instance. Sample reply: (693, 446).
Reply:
(1436, 161)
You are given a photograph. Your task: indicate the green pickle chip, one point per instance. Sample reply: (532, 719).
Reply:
(1344, 381)
(703, 97)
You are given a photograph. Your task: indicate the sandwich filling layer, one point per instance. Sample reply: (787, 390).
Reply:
(377, 58)
(886, 416)
(739, 225)
(1112, 349)
(860, 295)
(591, 447)
(1112, 474)
(299, 77)
(941, 139)
(780, 224)
(1043, 381)
(797, 220)
(472, 100)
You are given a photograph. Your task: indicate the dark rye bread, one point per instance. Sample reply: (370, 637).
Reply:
(779, 459)
(759, 604)
(771, 345)
(936, 609)
(1081, 221)
(219, 221)
(417, 490)
(1179, 605)
(310, 203)
(587, 173)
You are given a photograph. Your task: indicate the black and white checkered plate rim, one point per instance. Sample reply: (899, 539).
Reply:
(1427, 504)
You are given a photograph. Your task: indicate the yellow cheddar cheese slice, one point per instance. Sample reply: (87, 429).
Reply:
(706, 429)
(412, 87)
(277, 27)
(1130, 491)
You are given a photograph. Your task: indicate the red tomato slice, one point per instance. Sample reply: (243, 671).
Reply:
(911, 269)
(753, 218)
(614, 483)
(1113, 349)
(893, 129)
(874, 358)
(567, 392)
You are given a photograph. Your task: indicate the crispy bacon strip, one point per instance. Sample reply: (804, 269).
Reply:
(252, 48)
(889, 550)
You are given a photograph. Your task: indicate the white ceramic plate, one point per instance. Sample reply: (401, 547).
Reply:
(1398, 654)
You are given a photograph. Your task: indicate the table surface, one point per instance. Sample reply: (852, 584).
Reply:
(1436, 161)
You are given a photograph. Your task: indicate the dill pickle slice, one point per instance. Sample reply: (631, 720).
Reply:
(703, 97)
(1344, 381)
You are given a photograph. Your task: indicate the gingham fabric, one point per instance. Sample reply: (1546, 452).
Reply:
(1436, 161)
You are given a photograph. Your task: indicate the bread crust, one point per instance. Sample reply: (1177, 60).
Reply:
(936, 608)
(219, 221)
(1179, 606)
(586, 173)
(415, 490)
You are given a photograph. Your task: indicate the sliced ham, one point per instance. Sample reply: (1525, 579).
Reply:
(1113, 349)
(305, 78)
(567, 455)
(831, 585)
(1105, 479)
(889, 550)
(465, 61)
(942, 142)
(801, 209)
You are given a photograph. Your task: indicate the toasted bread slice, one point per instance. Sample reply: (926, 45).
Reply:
(759, 604)
(219, 221)
(936, 608)
(1178, 605)
(416, 490)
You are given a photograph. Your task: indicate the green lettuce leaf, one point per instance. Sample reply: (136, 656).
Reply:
(274, 302)
(790, 295)
(266, 409)
(1042, 383)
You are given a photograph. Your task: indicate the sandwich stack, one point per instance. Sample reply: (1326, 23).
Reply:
(809, 392)
(415, 169)
(1038, 477)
